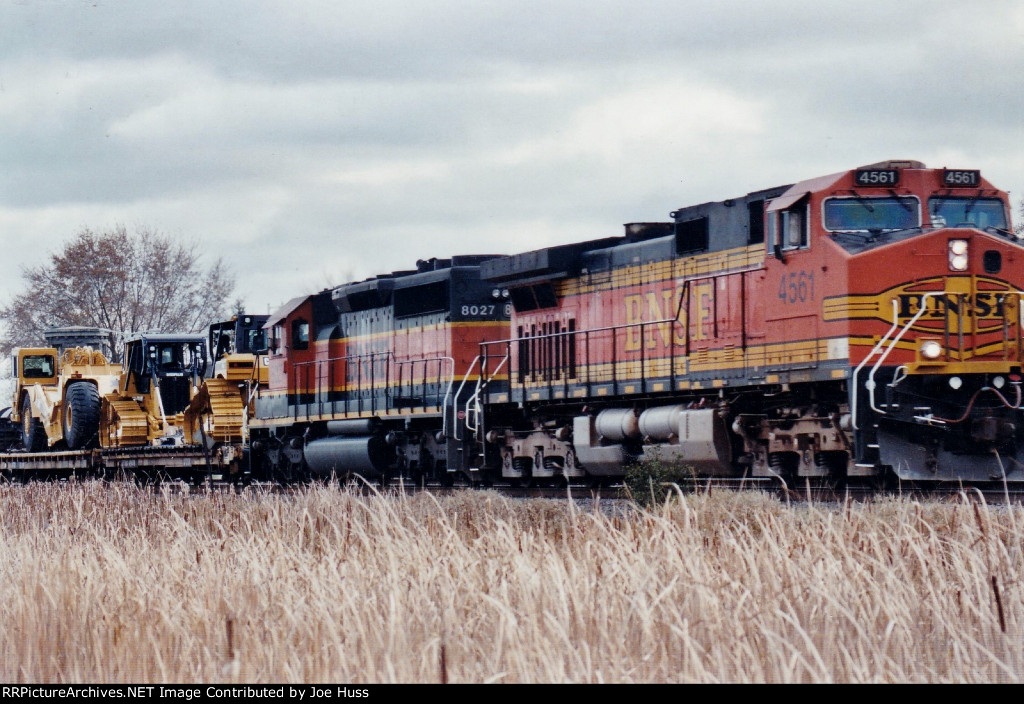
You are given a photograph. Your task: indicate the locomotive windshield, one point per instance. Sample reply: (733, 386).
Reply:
(969, 212)
(860, 214)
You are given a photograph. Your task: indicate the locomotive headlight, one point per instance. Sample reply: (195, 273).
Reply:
(955, 382)
(999, 382)
(958, 255)
(496, 293)
(931, 349)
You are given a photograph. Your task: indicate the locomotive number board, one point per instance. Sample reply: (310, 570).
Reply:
(877, 177)
(961, 178)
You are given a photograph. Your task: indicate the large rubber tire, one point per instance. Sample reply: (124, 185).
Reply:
(33, 435)
(81, 421)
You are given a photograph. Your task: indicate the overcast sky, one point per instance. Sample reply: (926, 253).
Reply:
(314, 142)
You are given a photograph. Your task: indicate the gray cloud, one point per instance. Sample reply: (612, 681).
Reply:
(310, 141)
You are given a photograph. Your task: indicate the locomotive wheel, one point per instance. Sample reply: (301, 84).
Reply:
(33, 436)
(81, 421)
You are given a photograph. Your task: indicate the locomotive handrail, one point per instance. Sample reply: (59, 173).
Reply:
(643, 325)
(910, 323)
(475, 398)
(874, 350)
(388, 358)
(455, 400)
(447, 393)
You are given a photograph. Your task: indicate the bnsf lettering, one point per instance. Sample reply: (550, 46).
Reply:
(662, 305)
(981, 305)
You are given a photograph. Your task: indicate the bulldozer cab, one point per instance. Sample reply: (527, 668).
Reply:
(238, 349)
(170, 365)
(242, 334)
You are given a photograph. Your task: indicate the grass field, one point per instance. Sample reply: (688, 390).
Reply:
(106, 583)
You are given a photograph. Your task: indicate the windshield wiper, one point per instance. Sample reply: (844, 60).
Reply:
(902, 203)
(974, 201)
(863, 201)
(869, 236)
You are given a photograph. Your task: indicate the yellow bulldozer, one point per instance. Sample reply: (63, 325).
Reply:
(236, 347)
(223, 403)
(163, 397)
(158, 378)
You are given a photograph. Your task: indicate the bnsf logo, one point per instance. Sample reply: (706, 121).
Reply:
(996, 303)
(980, 305)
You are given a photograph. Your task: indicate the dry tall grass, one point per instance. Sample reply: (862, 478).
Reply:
(102, 583)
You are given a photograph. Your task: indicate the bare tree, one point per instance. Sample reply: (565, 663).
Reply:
(122, 282)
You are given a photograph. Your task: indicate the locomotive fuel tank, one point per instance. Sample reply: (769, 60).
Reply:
(340, 455)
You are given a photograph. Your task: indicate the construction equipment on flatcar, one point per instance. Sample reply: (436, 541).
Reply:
(160, 375)
(58, 389)
(220, 409)
(235, 347)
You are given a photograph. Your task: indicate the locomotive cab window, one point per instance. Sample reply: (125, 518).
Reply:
(300, 335)
(967, 212)
(791, 230)
(860, 214)
(274, 344)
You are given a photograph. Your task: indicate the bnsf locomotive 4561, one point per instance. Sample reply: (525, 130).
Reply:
(862, 324)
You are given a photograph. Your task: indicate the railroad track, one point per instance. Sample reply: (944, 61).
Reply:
(805, 493)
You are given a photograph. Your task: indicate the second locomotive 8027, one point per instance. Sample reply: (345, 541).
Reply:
(865, 323)
(366, 378)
